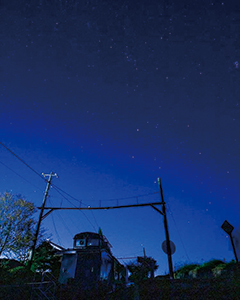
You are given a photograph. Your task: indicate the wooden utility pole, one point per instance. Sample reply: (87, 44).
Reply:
(40, 217)
(169, 253)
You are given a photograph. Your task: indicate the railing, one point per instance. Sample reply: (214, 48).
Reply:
(46, 289)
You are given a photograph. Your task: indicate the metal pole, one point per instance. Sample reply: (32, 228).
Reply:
(228, 228)
(234, 249)
(170, 265)
(39, 221)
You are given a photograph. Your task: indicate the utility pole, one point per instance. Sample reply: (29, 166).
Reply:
(40, 217)
(169, 254)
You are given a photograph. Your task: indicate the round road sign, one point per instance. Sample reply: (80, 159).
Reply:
(172, 247)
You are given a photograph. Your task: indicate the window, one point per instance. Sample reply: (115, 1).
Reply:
(93, 242)
(80, 243)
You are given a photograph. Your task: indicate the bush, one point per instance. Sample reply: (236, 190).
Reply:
(183, 272)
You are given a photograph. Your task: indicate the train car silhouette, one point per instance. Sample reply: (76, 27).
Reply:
(90, 263)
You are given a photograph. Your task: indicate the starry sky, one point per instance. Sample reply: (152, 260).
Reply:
(110, 96)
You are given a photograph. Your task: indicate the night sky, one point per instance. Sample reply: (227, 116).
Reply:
(111, 95)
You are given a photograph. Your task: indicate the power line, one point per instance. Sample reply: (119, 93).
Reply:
(89, 221)
(76, 208)
(103, 207)
(54, 226)
(95, 219)
(171, 213)
(101, 200)
(131, 197)
(22, 161)
(65, 225)
(53, 185)
(59, 190)
(19, 175)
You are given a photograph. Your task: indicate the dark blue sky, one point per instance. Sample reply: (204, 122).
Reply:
(111, 96)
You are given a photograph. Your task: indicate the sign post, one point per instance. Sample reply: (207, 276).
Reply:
(228, 228)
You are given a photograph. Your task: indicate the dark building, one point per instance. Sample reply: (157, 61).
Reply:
(90, 263)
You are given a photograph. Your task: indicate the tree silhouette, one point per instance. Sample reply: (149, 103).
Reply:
(142, 269)
(46, 259)
(16, 226)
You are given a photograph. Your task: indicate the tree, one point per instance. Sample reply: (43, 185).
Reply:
(16, 226)
(142, 269)
(183, 271)
(46, 258)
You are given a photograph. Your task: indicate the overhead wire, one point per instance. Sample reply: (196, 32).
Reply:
(61, 192)
(76, 207)
(65, 225)
(38, 174)
(89, 221)
(55, 229)
(171, 213)
(20, 175)
(82, 213)
(59, 189)
(112, 199)
(22, 161)
(130, 197)
(75, 225)
(95, 219)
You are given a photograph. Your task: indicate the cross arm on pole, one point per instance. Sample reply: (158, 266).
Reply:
(47, 213)
(101, 207)
(166, 230)
(158, 210)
